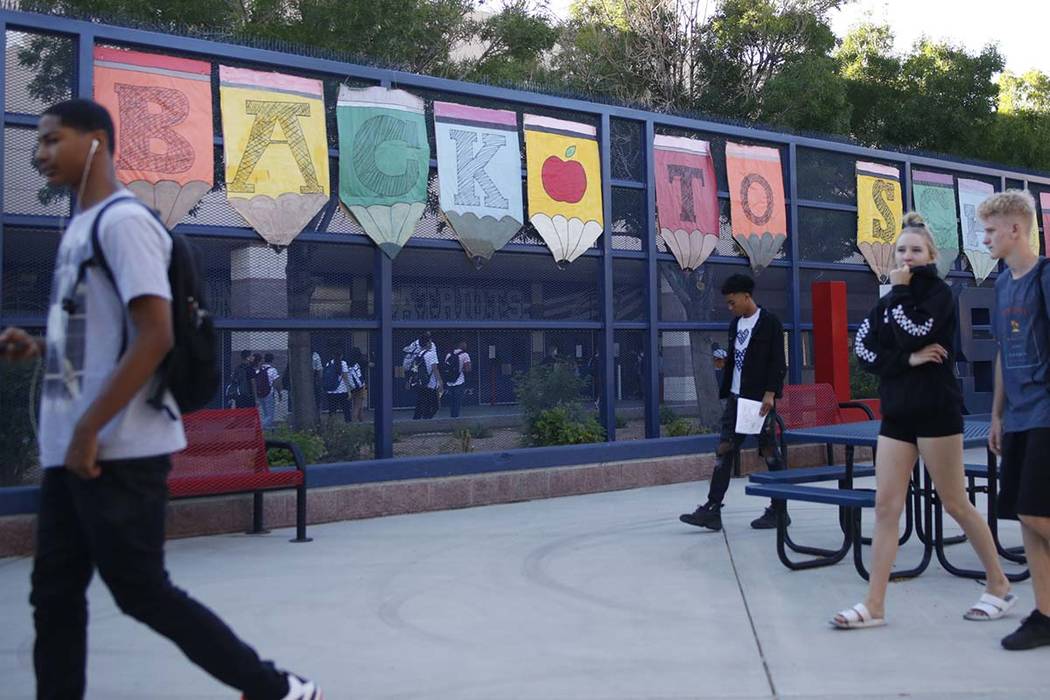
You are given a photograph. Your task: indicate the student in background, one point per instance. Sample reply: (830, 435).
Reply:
(454, 371)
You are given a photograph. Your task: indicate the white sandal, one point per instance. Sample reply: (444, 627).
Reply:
(856, 617)
(990, 607)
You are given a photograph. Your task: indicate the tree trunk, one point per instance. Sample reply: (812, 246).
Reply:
(300, 352)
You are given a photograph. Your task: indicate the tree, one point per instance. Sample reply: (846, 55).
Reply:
(1029, 92)
(511, 44)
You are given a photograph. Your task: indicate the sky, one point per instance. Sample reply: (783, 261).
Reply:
(1019, 26)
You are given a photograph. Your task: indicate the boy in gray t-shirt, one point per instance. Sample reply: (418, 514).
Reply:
(1020, 424)
(104, 449)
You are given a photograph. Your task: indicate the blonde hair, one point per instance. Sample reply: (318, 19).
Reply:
(1017, 203)
(914, 223)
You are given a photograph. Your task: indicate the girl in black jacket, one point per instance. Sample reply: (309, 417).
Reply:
(908, 340)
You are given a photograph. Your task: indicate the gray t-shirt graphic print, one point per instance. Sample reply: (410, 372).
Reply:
(85, 327)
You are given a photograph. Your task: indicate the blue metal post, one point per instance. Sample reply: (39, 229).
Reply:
(795, 376)
(607, 410)
(652, 278)
(383, 288)
(3, 132)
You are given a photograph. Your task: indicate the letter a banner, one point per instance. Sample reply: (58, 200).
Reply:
(384, 162)
(161, 108)
(756, 193)
(879, 214)
(276, 150)
(971, 194)
(686, 198)
(479, 175)
(934, 195)
(565, 185)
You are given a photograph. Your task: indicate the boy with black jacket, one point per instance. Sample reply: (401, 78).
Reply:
(756, 372)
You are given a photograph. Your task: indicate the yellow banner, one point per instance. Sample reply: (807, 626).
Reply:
(879, 209)
(564, 170)
(274, 133)
(879, 214)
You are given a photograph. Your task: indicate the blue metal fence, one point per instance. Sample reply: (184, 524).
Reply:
(85, 35)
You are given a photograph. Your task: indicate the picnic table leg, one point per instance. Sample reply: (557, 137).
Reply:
(924, 514)
(942, 557)
(822, 557)
(258, 527)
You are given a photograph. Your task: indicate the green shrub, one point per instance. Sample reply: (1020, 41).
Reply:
(621, 422)
(480, 430)
(309, 443)
(347, 442)
(463, 440)
(548, 386)
(556, 426)
(680, 427)
(18, 453)
(667, 415)
(862, 384)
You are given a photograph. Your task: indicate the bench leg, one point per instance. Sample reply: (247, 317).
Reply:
(257, 515)
(300, 515)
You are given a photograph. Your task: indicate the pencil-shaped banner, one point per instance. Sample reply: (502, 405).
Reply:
(565, 185)
(162, 110)
(384, 162)
(1044, 207)
(686, 198)
(756, 195)
(1033, 235)
(934, 196)
(971, 194)
(479, 176)
(276, 150)
(879, 214)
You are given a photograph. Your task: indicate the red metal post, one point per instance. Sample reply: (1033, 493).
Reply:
(831, 337)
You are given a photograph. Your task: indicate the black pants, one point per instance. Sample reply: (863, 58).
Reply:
(339, 402)
(427, 403)
(729, 444)
(116, 523)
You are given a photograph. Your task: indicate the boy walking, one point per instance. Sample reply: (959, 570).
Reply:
(104, 449)
(756, 372)
(1020, 424)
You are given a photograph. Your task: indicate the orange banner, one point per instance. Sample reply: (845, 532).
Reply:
(162, 111)
(756, 193)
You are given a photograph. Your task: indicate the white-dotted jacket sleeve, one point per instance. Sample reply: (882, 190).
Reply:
(873, 358)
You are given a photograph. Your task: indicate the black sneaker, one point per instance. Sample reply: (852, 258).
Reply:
(1033, 632)
(707, 515)
(768, 520)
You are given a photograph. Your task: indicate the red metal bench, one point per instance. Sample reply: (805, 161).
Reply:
(226, 453)
(809, 405)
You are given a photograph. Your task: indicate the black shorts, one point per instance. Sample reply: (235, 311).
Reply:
(1024, 474)
(910, 430)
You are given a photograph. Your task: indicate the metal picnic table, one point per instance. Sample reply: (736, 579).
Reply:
(928, 520)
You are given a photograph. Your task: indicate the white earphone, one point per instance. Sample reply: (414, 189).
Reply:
(87, 169)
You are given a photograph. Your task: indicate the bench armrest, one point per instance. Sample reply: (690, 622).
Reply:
(857, 404)
(297, 454)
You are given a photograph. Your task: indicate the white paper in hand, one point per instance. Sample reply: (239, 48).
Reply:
(748, 417)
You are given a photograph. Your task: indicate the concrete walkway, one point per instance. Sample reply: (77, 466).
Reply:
(603, 596)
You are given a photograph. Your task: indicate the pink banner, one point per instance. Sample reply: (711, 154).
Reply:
(686, 198)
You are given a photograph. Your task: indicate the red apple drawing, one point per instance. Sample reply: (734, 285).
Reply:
(564, 180)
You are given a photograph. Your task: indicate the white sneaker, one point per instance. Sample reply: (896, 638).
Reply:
(302, 689)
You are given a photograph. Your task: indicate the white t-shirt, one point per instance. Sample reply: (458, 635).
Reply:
(273, 375)
(430, 358)
(83, 345)
(343, 371)
(315, 360)
(357, 377)
(464, 358)
(740, 343)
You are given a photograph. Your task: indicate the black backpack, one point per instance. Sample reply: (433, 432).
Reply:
(190, 370)
(450, 368)
(331, 376)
